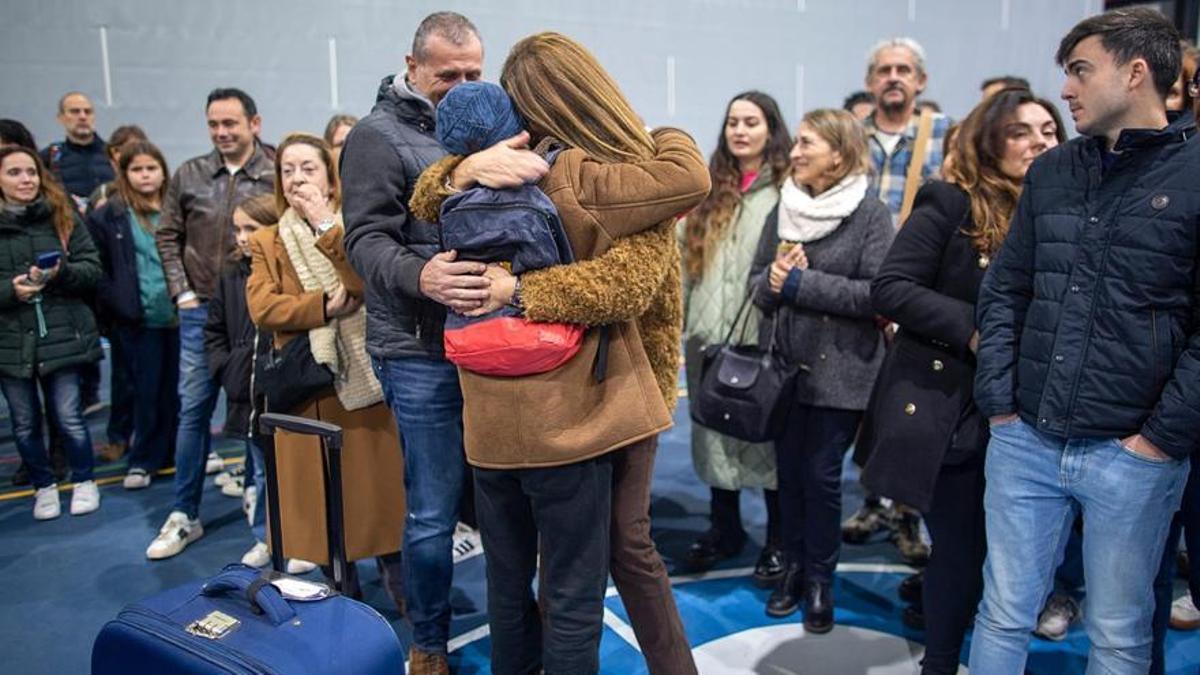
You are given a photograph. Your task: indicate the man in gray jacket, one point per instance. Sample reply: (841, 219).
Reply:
(409, 287)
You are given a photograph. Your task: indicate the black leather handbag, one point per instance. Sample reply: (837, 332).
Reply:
(290, 377)
(744, 391)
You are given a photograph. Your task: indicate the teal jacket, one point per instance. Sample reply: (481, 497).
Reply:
(58, 329)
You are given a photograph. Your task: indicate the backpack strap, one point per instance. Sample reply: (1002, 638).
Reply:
(912, 180)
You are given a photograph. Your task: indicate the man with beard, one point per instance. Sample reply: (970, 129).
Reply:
(896, 77)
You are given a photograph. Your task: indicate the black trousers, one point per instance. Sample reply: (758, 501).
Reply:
(152, 359)
(567, 508)
(808, 461)
(954, 576)
(726, 515)
(121, 388)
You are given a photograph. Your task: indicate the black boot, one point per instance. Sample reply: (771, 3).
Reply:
(710, 549)
(770, 566)
(785, 599)
(818, 607)
(910, 589)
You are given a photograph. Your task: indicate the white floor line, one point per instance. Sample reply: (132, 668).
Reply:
(458, 642)
(622, 629)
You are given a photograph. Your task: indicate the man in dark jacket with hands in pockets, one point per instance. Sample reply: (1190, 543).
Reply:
(1089, 352)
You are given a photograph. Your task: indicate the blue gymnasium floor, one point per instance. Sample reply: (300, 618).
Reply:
(63, 579)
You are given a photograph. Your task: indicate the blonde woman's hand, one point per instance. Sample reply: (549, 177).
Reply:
(798, 257)
(500, 293)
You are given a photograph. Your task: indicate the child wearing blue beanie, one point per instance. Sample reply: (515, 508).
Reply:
(474, 116)
(517, 227)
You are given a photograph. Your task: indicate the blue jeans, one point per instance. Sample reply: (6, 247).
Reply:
(1034, 483)
(63, 396)
(258, 477)
(427, 402)
(197, 398)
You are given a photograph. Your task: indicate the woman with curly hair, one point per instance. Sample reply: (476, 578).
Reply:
(928, 438)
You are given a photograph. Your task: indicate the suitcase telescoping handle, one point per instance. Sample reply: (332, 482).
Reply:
(330, 436)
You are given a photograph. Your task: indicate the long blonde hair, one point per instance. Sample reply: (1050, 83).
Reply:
(562, 91)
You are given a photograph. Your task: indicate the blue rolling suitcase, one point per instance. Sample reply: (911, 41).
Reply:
(247, 621)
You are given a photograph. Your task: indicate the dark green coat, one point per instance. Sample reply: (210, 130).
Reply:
(70, 338)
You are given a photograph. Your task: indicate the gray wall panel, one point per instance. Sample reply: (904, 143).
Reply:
(165, 55)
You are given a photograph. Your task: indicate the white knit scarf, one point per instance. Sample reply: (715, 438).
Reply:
(804, 218)
(340, 344)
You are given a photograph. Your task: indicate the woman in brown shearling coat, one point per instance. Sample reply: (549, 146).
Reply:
(300, 281)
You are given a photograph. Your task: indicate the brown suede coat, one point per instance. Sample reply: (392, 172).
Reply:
(566, 416)
(372, 468)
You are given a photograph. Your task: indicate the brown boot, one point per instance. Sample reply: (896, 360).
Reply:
(111, 452)
(426, 663)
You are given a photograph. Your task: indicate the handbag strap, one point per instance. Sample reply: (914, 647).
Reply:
(771, 346)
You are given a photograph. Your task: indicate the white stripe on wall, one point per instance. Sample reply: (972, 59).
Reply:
(333, 74)
(912, 10)
(105, 66)
(1005, 14)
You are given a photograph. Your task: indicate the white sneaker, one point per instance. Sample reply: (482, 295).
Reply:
(229, 475)
(1184, 615)
(174, 536)
(235, 488)
(467, 543)
(259, 556)
(1056, 618)
(85, 498)
(46, 505)
(298, 566)
(214, 464)
(136, 479)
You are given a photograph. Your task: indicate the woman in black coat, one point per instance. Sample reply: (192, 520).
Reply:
(926, 437)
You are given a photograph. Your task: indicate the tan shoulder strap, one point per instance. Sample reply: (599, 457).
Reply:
(912, 180)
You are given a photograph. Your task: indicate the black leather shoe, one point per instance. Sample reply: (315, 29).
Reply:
(710, 549)
(785, 599)
(914, 617)
(910, 589)
(818, 607)
(770, 567)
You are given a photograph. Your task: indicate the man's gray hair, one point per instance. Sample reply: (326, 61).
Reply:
(451, 26)
(908, 43)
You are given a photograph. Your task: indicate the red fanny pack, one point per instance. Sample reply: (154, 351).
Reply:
(510, 346)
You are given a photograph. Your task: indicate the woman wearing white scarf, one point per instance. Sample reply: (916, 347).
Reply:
(300, 282)
(812, 278)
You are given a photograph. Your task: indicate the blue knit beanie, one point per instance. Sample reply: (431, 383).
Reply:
(476, 115)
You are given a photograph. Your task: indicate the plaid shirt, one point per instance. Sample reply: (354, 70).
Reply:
(889, 172)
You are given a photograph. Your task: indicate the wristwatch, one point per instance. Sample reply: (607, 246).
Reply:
(325, 225)
(515, 300)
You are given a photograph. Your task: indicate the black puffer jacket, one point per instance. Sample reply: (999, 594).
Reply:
(1089, 316)
(229, 339)
(70, 337)
(80, 168)
(384, 155)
